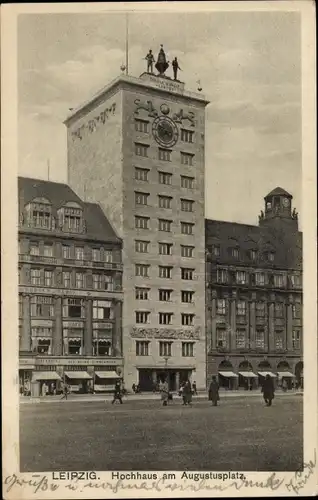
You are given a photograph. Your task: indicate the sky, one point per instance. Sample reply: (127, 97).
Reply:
(249, 66)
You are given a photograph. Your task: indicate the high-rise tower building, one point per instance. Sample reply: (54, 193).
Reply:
(137, 148)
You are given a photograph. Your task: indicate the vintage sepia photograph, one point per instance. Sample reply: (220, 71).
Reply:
(160, 243)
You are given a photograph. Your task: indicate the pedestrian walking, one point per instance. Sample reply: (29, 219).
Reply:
(268, 390)
(65, 392)
(164, 389)
(187, 392)
(284, 385)
(194, 388)
(117, 393)
(133, 388)
(214, 392)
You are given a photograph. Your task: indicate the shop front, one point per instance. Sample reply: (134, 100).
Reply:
(78, 380)
(45, 383)
(104, 381)
(149, 378)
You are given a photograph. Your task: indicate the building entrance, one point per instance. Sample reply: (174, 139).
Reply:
(149, 379)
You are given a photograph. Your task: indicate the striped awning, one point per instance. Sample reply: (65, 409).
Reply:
(248, 374)
(228, 374)
(36, 376)
(263, 374)
(80, 375)
(285, 374)
(106, 374)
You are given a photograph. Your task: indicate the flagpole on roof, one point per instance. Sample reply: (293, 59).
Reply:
(127, 43)
(48, 169)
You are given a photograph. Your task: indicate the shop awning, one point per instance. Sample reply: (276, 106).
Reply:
(107, 375)
(78, 375)
(228, 374)
(285, 374)
(267, 373)
(45, 376)
(248, 374)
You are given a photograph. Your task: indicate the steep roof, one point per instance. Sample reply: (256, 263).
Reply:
(278, 191)
(58, 194)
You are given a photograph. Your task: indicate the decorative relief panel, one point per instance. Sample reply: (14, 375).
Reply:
(178, 117)
(166, 333)
(92, 124)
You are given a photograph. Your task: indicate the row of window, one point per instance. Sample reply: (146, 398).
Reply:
(164, 295)
(164, 271)
(69, 252)
(259, 278)
(42, 344)
(164, 154)
(43, 306)
(143, 126)
(163, 201)
(142, 246)
(70, 279)
(165, 348)
(164, 318)
(236, 253)
(70, 219)
(242, 342)
(164, 225)
(260, 308)
(142, 174)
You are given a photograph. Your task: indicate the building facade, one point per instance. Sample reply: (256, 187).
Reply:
(137, 149)
(254, 297)
(70, 291)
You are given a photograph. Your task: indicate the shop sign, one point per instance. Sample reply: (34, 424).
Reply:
(77, 362)
(68, 293)
(73, 324)
(106, 326)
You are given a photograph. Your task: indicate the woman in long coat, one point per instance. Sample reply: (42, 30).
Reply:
(214, 392)
(187, 393)
(268, 390)
(164, 389)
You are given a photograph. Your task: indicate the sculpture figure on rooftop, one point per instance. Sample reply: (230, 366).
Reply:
(150, 60)
(161, 65)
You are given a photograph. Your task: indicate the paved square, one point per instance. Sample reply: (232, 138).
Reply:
(240, 435)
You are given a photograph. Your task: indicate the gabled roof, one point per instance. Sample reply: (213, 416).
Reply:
(58, 194)
(278, 191)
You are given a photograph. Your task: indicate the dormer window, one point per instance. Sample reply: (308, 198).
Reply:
(71, 218)
(39, 213)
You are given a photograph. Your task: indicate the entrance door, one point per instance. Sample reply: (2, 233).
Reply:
(145, 379)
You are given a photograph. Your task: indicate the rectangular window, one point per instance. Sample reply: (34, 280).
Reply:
(142, 316)
(187, 159)
(66, 279)
(165, 271)
(253, 255)
(187, 349)
(279, 310)
(222, 275)
(41, 215)
(240, 338)
(41, 345)
(79, 280)
(278, 280)
(235, 253)
(102, 345)
(187, 228)
(141, 246)
(165, 178)
(48, 278)
(96, 255)
(187, 182)
(102, 309)
(20, 306)
(270, 256)
(165, 201)
(187, 296)
(141, 174)
(215, 250)
(73, 219)
(73, 308)
(165, 318)
(142, 270)
(187, 205)
(165, 295)
(35, 277)
(260, 309)
(108, 282)
(66, 252)
(108, 255)
(142, 348)
(141, 222)
(186, 135)
(79, 253)
(187, 319)
(295, 280)
(141, 125)
(97, 281)
(260, 279)
(165, 248)
(75, 345)
(241, 308)
(141, 293)
(164, 225)
(48, 250)
(141, 149)
(165, 349)
(297, 310)
(260, 339)
(186, 251)
(34, 249)
(221, 338)
(164, 154)
(42, 306)
(296, 339)
(241, 277)
(141, 198)
(186, 273)
(220, 306)
(279, 343)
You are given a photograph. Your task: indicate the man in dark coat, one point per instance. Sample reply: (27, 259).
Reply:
(268, 390)
(117, 393)
(214, 392)
(187, 393)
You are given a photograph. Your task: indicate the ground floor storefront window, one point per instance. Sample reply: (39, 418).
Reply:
(149, 379)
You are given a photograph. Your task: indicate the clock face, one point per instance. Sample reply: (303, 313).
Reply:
(286, 202)
(165, 131)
